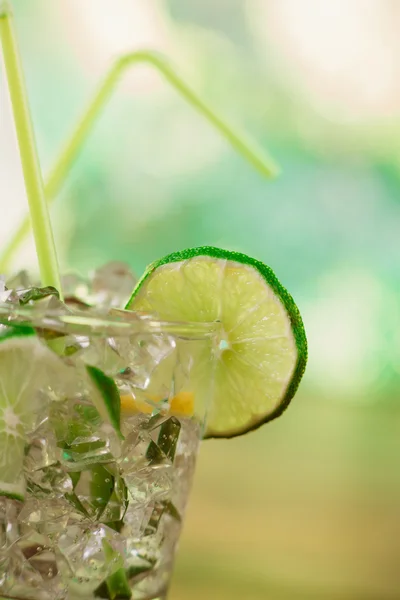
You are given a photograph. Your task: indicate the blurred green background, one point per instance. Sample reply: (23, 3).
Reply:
(307, 507)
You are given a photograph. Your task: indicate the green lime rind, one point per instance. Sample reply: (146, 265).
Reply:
(109, 403)
(282, 294)
(14, 491)
(17, 331)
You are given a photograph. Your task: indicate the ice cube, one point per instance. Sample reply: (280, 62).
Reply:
(46, 517)
(42, 451)
(139, 450)
(68, 345)
(135, 520)
(184, 462)
(113, 284)
(33, 569)
(149, 486)
(29, 564)
(146, 468)
(139, 560)
(87, 553)
(133, 452)
(150, 481)
(9, 296)
(84, 439)
(45, 310)
(22, 580)
(9, 510)
(150, 361)
(146, 547)
(72, 419)
(20, 281)
(76, 289)
(103, 353)
(51, 481)
(85, 451)
(13, 289)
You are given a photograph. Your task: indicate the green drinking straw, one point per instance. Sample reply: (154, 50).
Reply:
(249, 149)
(38, 208)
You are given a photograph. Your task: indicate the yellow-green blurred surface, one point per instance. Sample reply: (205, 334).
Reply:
(307, 507)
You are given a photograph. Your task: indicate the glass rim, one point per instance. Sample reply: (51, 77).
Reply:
(115, 322)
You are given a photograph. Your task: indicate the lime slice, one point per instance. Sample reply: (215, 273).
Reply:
(106, 397)
(23, 365)
(262, 347)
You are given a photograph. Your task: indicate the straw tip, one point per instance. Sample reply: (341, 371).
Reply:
(270, 169)
(275, 172)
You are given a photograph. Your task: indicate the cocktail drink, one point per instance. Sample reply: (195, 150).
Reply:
(107, 387)
(102, 411)
(100, 422)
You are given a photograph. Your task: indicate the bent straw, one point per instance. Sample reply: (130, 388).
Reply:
(249, 149)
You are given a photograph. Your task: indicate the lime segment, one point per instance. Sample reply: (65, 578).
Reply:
(23, 365)
(262, 349)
